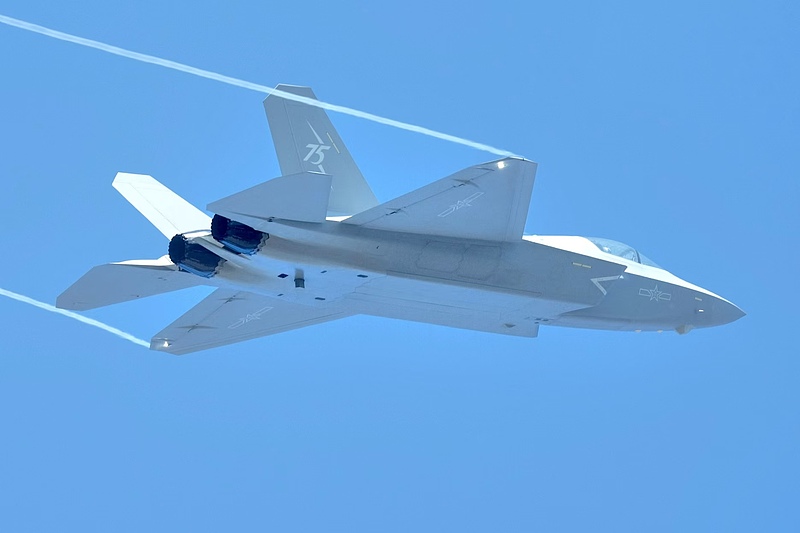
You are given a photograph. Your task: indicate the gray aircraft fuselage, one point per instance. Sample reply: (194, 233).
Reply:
(509, 287)
(315, 245)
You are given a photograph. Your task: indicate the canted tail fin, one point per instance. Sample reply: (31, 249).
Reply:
(167, 211)
(300, 197)
(120, 282)
(305, 140)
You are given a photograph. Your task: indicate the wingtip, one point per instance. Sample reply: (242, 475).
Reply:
(284, 88)
(123, 178)
(160, 344)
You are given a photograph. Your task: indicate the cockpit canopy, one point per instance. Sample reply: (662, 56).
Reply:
(621, 250)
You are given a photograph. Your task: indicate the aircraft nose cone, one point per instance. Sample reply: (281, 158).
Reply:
(726, 312)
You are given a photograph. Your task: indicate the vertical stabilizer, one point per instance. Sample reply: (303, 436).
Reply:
(305, 140)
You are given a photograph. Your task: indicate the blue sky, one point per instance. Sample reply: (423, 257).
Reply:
(672, 127)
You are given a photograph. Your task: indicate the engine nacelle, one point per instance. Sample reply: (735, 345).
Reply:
(192, 257)
(236, 236)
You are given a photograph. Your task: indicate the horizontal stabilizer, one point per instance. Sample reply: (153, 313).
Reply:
(305, 139)
(167, 211)
(121, 282)
(486, 202)
(300, 197)
(229, 316)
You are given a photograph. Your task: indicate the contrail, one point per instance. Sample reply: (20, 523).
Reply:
(245, 84)
(76, 316)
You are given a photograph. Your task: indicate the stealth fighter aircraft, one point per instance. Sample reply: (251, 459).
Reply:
(315, 245)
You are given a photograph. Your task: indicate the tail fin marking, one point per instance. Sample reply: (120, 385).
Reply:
(305, 140)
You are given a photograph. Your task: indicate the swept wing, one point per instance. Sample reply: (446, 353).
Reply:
(487, 202)
(228, 316)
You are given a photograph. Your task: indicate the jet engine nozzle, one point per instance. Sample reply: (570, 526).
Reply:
(192, 257)
(236, 236)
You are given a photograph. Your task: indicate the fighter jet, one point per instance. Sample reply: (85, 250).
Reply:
(315, 245)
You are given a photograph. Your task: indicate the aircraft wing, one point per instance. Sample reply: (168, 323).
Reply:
(488, 202)
(229, 316)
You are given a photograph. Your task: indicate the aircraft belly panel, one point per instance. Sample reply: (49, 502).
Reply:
(314, 245)
(469, 307)
(443, 314)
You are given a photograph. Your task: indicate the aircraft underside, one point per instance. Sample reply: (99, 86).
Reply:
(314, 245)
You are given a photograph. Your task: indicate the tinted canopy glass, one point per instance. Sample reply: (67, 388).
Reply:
(621, 250)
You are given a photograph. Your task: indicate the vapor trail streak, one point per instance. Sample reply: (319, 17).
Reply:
(76, 316)
(245, 84)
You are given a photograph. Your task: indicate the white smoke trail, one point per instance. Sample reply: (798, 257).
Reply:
(245, 84)
(145, 58)
(76, 316)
